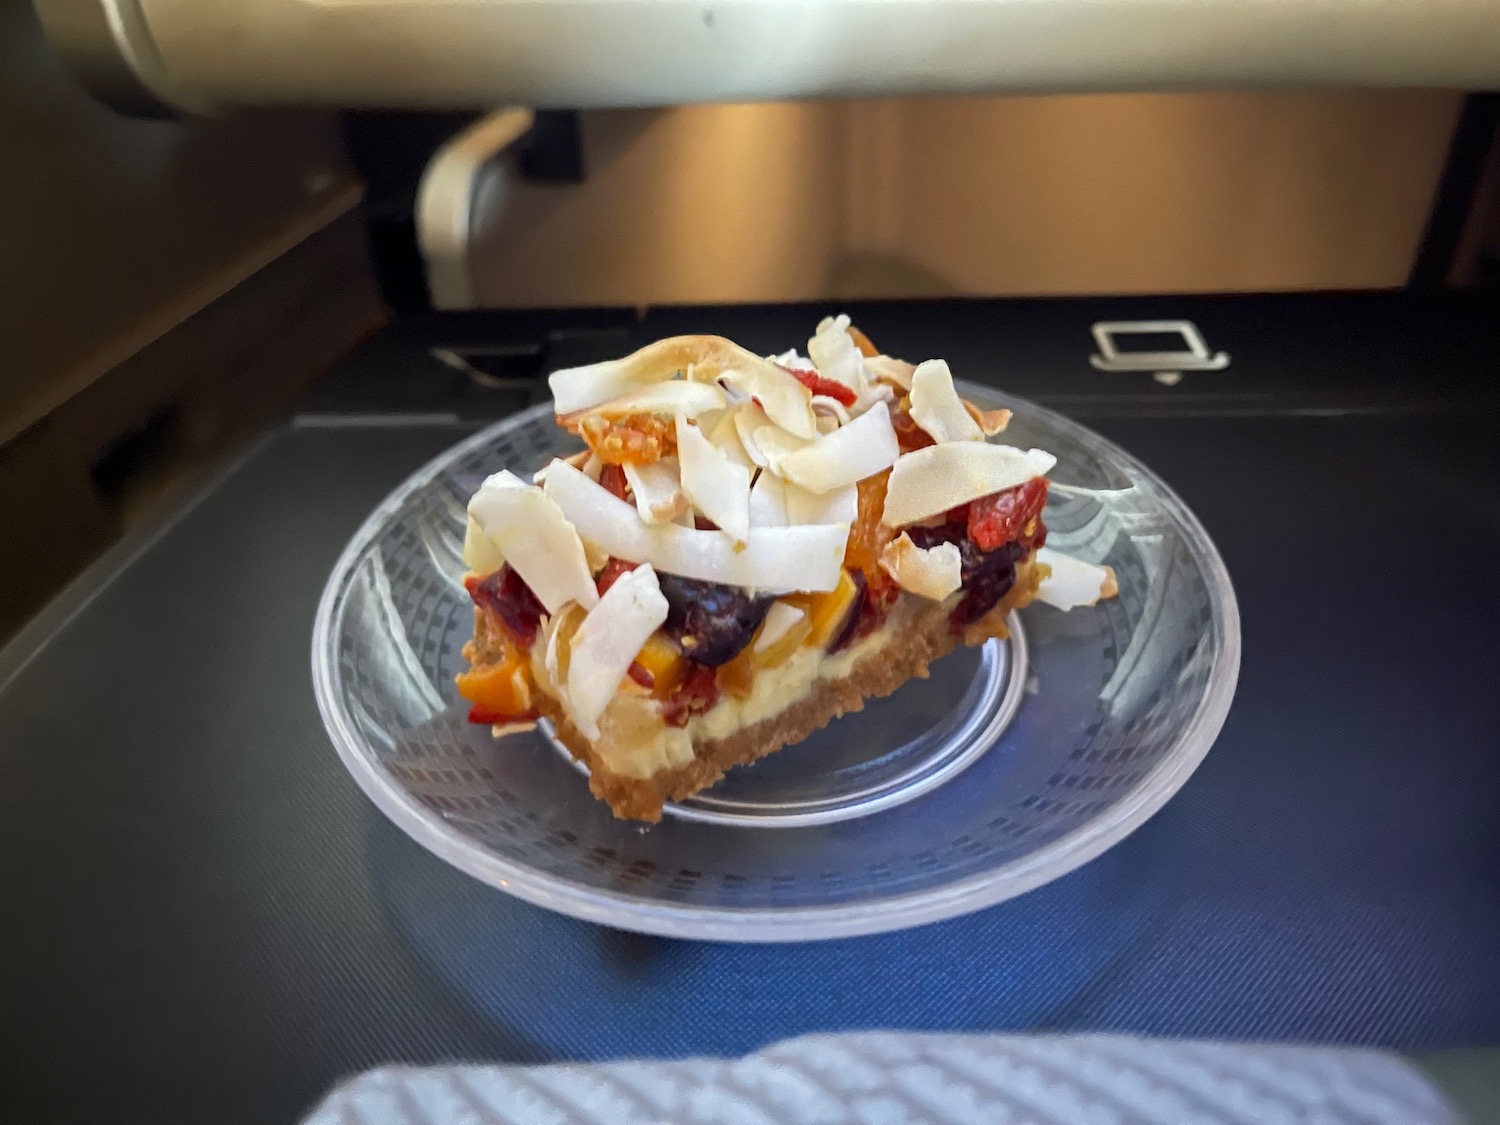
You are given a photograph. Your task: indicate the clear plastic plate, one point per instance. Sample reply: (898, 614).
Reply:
(1010, 766)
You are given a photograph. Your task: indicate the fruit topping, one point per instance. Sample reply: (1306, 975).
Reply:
(500, 691)
(662, 662)
(612, 571)
(1012, 514)
(821, 386)
(698, 692)
(641, 438)
(510, 601)
(711, 622)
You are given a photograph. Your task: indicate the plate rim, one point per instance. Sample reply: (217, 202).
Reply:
(759, 925)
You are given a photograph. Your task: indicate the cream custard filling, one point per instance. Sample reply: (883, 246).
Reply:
(635, 742)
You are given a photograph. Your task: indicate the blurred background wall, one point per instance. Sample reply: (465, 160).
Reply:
(164, 287)
(990, 196)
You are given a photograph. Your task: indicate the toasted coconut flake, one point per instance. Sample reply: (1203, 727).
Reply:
(768, 503)
(725, 434)
(936, 407)
(584, 459)
(893, 372)
(775, 445)
(785, 401)
(1073, 582)
(836, 356)
(839, 506)
(516, 726)
(928, 482)
(862, 448)
(765, 443)
(781, 619)
(748, 418)
(700, 358)
(480, 553)
(557, 639)
(792, 360)
(607, 642)
(828, 405)
(658, 490)
(674, 397)
(717, 485)
(596, 558)
(931, 573)
(535, 537)
(775, 559)
(991, 422)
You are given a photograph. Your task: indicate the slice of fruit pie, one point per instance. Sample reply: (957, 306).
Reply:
(746, 549)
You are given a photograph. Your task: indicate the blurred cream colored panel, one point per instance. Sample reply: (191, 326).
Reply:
(989, 196)
(1127, 194)
(711, 203)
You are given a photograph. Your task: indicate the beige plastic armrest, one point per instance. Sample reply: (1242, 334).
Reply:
(592, 53)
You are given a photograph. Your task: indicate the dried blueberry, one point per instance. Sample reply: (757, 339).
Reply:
(987, 575)
(711, 622)
(989, 581)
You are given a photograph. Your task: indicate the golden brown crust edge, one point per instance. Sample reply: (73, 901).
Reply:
(927, 639)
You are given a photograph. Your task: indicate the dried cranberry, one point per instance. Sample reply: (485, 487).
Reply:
(611, 573)
(612, 477)
(987, 583)
(695, 695)
(909, 435)
(821, 386)
(710, 621)
(1003, 516)
(505, 595)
